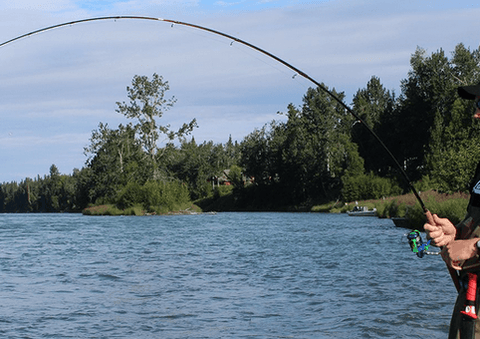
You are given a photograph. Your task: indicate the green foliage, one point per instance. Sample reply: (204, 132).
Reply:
(451, 206)
(147, 102)
(125, 161)
(153, 195)
(53, 193)
(425, 184)
(307, 155)
(136, 210)
(456, 166)
(197, 165)
(114, 159)
(261, 152)
(129, 195)
(103, 210)
(455, 148)
(235, 175)
(393, 208)
(375, 105)
(221, 191)
(446, 137)
(368, 186)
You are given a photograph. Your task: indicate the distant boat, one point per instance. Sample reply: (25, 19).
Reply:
(362, 211)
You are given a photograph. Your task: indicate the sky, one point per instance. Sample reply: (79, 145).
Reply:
(57, 86)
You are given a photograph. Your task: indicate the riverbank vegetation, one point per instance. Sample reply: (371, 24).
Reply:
(451, 206)
(314, 154)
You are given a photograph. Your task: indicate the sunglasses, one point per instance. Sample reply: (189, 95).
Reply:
(476, 104)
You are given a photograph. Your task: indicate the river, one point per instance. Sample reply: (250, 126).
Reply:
(229, 275)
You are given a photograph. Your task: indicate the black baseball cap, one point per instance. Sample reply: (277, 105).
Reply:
(469, 92)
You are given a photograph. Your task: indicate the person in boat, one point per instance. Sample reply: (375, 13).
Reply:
(461, 247)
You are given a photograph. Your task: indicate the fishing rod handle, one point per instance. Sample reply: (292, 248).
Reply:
(453, 273)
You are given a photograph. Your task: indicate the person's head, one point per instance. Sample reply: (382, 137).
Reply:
(471, 93)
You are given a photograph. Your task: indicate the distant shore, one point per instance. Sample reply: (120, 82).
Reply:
(452, 206)
(138, 210)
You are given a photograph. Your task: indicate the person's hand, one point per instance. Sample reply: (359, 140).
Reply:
(440, 230)
(456, 252)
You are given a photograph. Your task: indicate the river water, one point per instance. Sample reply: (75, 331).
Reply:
(229, 275)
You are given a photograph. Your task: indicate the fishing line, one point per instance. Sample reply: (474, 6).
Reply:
(251, 55)
(261, 58)
(242, 49)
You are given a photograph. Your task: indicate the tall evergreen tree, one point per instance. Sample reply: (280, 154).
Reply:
(454, 148)
(375, 105)
(315, 149)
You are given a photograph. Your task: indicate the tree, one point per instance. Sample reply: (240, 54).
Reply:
(197, 164)
(455, 143)
(374, 104)
(254, 157)
(115, 157)
(232, 152)
(148, 102)
(317, 146)
(130, 154)
(306, 157)
(453, 148)
(192, 165)
(426, 94)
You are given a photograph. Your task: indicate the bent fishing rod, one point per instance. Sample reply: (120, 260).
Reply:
(281, 61)
(258, 49)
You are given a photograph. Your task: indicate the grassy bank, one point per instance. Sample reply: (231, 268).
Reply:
(139, 210)
(451, 206)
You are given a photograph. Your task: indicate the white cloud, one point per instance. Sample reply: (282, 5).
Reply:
(21, 139)
(229, 3)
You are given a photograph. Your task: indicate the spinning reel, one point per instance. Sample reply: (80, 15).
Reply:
(418, 246)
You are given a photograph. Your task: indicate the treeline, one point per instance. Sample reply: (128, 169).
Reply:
(318, 153)
(52, 193)
(186, 173)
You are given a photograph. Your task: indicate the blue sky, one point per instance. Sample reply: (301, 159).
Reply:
(57, 86)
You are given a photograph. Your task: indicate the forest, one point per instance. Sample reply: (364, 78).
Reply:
(319, 153)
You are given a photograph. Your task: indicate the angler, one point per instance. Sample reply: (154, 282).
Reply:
(461, 247)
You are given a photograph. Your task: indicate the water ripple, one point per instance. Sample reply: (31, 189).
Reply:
(242, 275)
